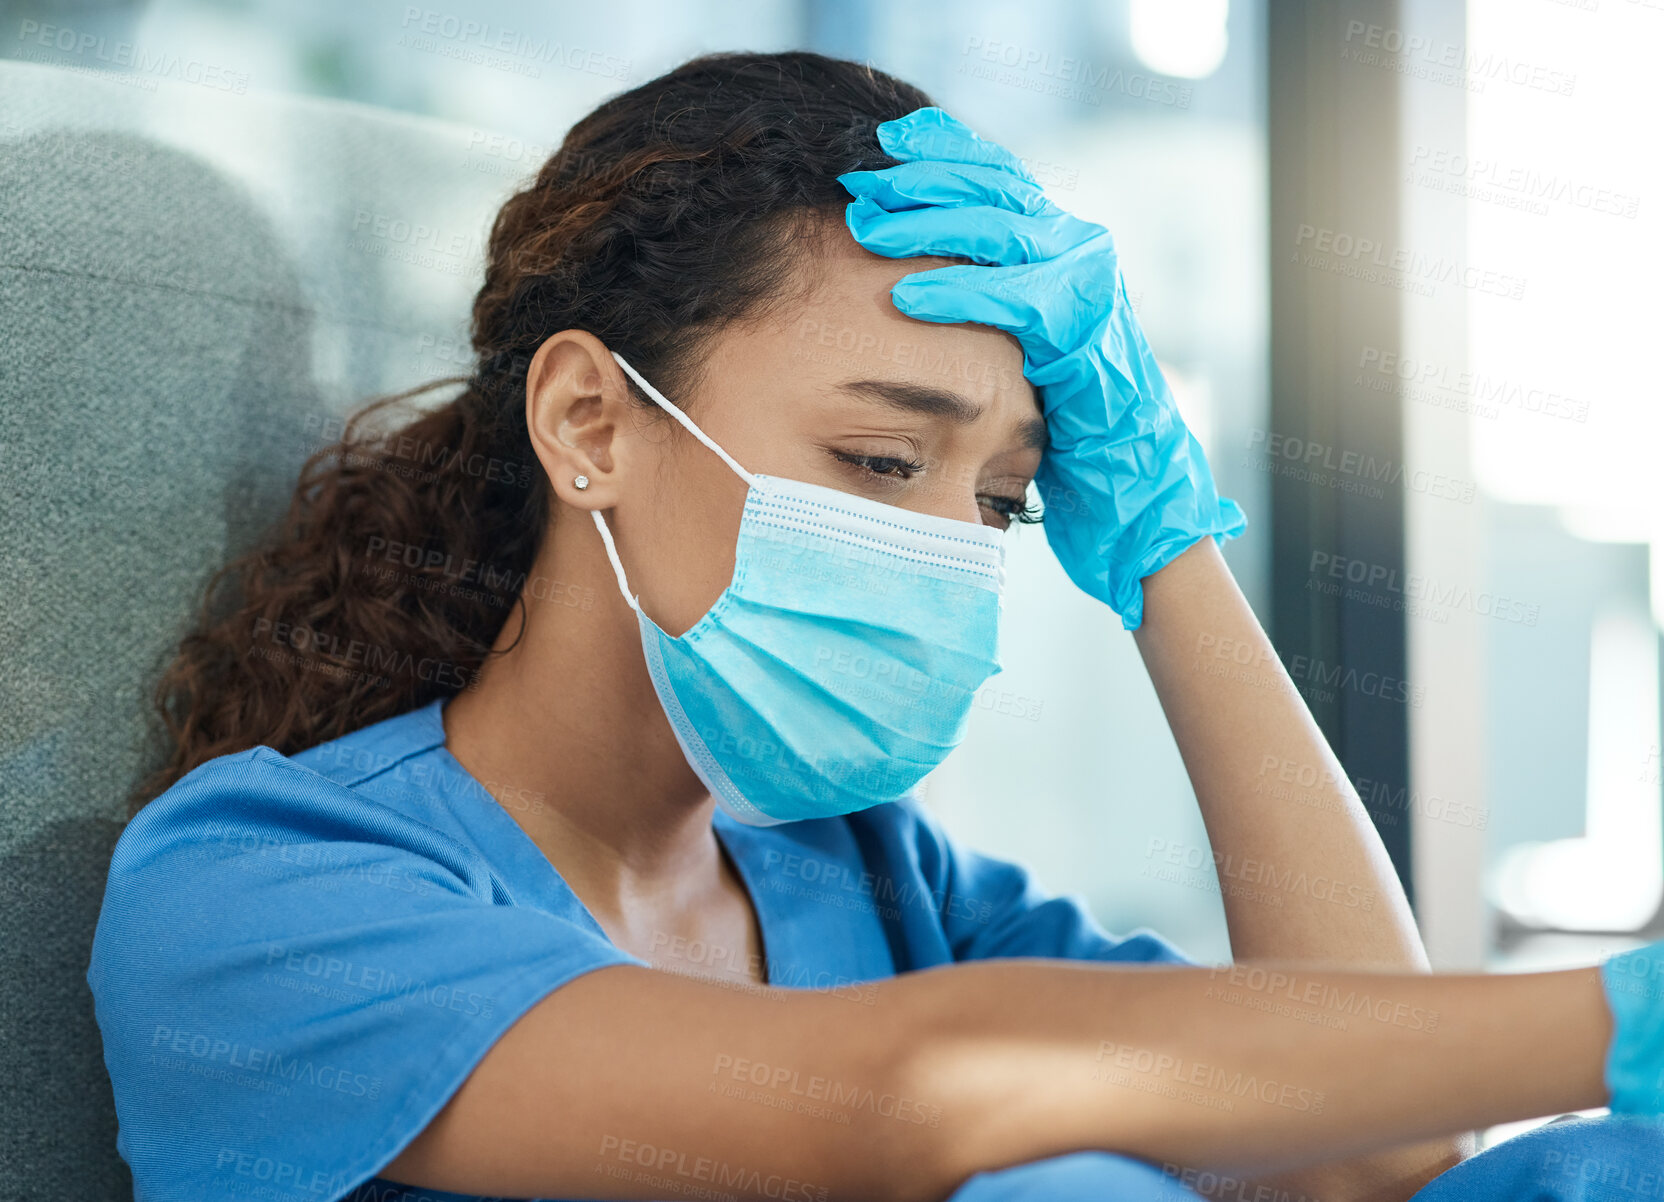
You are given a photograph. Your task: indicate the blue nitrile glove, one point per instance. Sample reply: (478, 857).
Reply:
(1125, 484)
(1634, 984)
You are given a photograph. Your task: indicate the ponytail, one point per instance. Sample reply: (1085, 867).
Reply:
(383, 587)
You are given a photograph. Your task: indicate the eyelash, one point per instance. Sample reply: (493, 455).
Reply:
(1027, 514)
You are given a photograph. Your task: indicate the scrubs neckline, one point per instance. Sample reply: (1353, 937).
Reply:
(734, 838)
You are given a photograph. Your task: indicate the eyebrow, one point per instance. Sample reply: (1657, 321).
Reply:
(939, 402)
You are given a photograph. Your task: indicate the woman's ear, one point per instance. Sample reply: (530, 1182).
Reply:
(577, 411)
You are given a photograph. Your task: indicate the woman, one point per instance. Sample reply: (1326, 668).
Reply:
(538, 820)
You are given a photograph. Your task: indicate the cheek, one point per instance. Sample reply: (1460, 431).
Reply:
(690, 524)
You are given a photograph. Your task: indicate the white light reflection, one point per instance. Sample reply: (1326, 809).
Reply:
(1185, 38)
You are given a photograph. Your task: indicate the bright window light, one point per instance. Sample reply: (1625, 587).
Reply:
(1612, 879)
(1184, 38)
(1564, 189)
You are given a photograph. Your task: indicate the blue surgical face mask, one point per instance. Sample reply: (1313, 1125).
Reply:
(840, 664)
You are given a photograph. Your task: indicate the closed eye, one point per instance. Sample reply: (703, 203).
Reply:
(891, 468)
(1013, 509)
(881, 465)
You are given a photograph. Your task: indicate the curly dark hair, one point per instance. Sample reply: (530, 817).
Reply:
(670, 212)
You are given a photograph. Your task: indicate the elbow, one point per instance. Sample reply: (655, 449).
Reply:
(925, 1147)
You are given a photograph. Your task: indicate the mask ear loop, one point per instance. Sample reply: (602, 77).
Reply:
(600, 522)
(612, 554)
(684, 419)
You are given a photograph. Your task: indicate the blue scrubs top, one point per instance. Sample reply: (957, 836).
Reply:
(300, 958)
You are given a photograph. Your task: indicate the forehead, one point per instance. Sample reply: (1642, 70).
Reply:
(843, 321)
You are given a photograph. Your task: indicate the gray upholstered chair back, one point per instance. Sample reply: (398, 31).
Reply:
(194, 287)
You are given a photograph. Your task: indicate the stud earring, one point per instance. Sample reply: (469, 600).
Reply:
(580, 482)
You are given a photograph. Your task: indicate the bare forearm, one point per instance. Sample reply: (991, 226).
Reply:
(1181, 1066)
(1302, 872)
(908, 1087)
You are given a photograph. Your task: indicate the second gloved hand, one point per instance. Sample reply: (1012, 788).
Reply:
(1634, 984)
(1125, 485)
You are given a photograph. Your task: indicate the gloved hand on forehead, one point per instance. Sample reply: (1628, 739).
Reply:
(1125, 485)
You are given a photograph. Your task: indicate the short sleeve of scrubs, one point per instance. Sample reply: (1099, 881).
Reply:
(292, 979)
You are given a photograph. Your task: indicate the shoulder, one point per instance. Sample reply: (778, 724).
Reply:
(385, 748)
(291, 960)
(245, 789)
(282, 810)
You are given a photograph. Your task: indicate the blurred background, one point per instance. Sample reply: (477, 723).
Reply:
(1399, 261)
